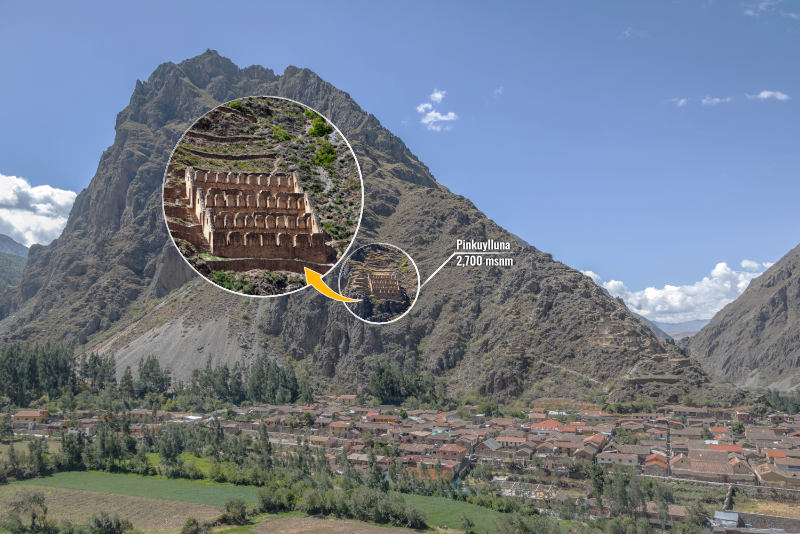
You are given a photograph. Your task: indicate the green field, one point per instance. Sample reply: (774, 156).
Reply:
(440, 511)
(200, 492)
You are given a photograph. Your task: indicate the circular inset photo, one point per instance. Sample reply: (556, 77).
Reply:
(384, 278)
(259, 188)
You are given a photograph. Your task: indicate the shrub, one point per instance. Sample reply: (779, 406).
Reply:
(325, 155)
(235, 512)
(275, 498)
(103, 523)
(320, 127)
(280, 133)
(193, 526)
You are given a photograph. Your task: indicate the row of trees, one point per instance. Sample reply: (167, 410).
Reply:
(392, 384)
(29, 373)
(788, 403)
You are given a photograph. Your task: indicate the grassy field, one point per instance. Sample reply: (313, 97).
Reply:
(440, 512)
(766, 507)
(190, 491)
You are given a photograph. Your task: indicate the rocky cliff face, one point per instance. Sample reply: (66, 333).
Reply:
(538, 328)
(755, 340)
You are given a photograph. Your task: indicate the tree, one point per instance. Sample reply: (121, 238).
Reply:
(13, 462)
(467, 524)
(386, 383)
(36, 454)
(235, 512)
(67, 402)
(349, 474)
(375, 478)
(72, 448)
(737, 428)
(108, 448)
(152, 378)
(126, 385)
(193, 526)
(598, 481)
(265, 446)
(30, 504)
(103, 523)
(696, 515)
(6, 430)
(306, 394)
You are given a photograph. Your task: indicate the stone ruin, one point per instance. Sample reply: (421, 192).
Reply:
(382, 284)
(251, 215)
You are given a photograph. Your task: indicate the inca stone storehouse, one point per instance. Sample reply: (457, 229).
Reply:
(383, 284)
(247, 215)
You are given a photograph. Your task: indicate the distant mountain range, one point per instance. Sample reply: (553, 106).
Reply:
(12, 262)
(9, 246)
(684, 329)
(113, 282)
(755, 340)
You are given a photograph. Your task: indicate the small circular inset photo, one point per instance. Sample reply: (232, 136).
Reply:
(259, 188)
(384, 278)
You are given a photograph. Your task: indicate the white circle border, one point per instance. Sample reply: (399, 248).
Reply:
(416, 297)
(360, 215)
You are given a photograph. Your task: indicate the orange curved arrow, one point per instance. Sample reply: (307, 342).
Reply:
(315, 279)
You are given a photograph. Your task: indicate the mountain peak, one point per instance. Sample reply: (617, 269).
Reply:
(754, 339)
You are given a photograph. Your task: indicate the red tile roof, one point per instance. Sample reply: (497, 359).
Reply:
(725, 447)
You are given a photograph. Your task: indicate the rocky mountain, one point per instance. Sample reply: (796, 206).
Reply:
(114, 284)
(11, 267)
(9, 246)
(12, 262)
(755, 340)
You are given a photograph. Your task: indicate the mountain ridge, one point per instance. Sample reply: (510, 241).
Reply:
(755, 340)
(9, 246)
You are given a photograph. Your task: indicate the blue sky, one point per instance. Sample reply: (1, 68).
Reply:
(646, 142)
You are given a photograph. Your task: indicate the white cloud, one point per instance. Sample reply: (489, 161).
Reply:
(700, 300)
(630, 33)
(32, 214)
(750, 265)
(437, 96)
(770, 95)
(714, 100)
(755, 9)
(432, 118)
(680, 102)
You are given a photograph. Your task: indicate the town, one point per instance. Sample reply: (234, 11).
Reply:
(546, 457)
